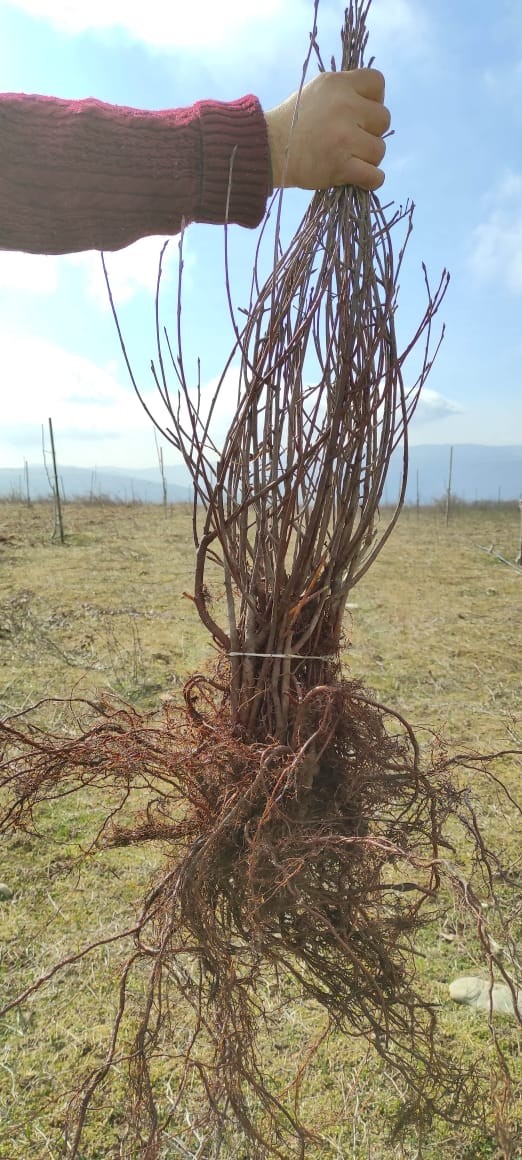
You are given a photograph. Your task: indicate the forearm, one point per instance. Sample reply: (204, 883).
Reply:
(84, 175)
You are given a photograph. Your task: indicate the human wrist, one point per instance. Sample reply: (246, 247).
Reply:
(275, 147)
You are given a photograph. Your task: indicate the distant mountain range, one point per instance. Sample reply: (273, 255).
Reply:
(479, 473)
(126, 485)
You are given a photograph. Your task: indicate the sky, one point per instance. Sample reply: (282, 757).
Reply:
(454, 88)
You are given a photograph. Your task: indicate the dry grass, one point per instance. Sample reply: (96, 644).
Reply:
(434, 633)
(107, 609)
(438, 623)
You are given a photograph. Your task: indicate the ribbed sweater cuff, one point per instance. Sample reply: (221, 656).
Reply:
(235, 162)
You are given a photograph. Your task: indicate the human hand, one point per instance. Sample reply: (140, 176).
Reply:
(337, 135)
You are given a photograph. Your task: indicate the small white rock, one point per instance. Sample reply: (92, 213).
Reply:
(478, 993)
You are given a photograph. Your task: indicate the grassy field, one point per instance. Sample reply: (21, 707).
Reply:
(434, 629)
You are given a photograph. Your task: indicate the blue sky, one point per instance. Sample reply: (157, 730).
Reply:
(454, 87)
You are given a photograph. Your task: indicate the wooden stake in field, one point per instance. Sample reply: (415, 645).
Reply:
(164, 489)
(448, 488)
(26, 478)
(56, 488)
(519, 557)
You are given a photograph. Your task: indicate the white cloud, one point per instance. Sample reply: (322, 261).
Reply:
(206, 24)
(496, 248)
(131, 270)
(45, 379)
(96, 419)
(92, 412)
(99, 422)
(433, 406)
(32, 273)
(155, 23)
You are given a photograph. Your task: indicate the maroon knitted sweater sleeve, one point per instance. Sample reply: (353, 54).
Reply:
(81, 175)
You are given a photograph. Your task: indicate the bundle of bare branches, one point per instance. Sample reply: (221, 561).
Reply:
(302, 830)
(291, 506)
